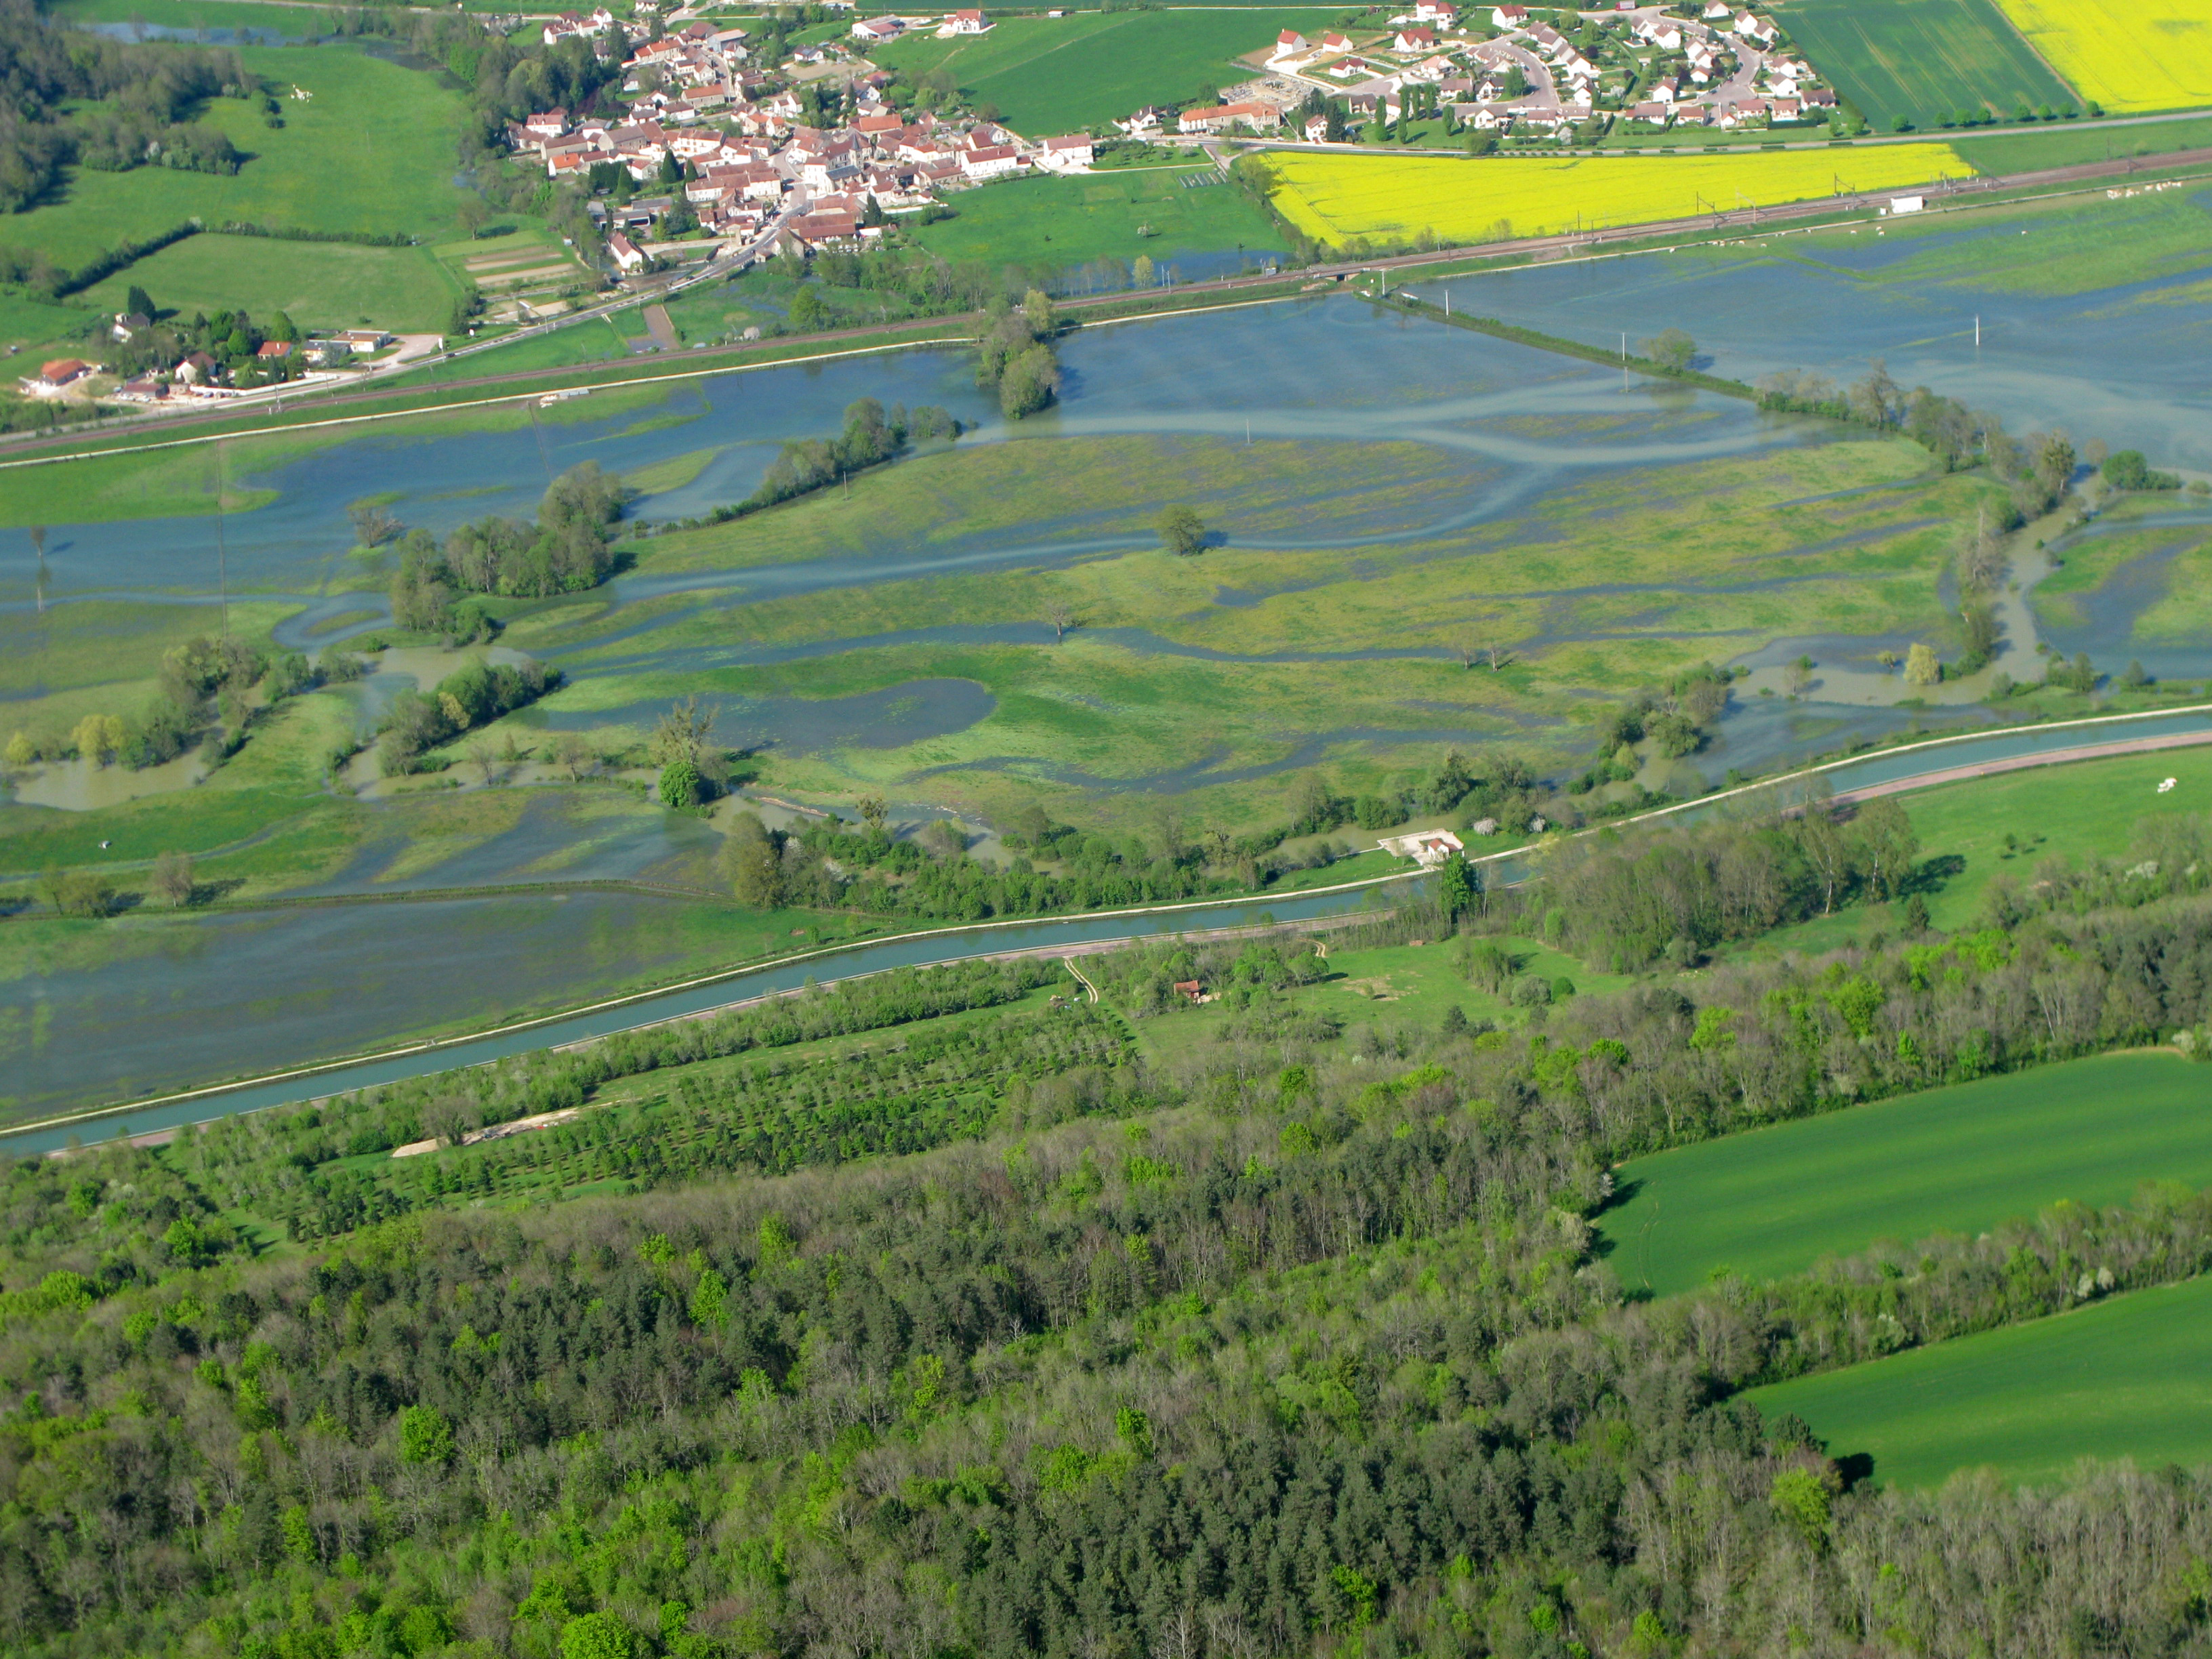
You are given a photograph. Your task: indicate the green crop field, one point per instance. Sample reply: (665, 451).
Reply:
(1048, 75)
(1046, 223)
(318, 284)
(2131, 1377)
(1923, 59)
(372, 151)
(1960, 1159)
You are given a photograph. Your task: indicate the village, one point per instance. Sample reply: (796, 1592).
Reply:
(719, 147)
(725, 143)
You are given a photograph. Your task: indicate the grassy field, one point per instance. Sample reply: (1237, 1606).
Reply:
(373, 151)
(199, 14)
(2122, 1378)
(1046, 223)
(1960, 1159)
(31, 323)
(1923, 59)
(1341, 199)
(2128, 55)
(1049, 75)
(318, 284)
(2025, 149)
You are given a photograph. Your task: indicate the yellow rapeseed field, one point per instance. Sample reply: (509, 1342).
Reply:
(2126, 54)
(1387, 199)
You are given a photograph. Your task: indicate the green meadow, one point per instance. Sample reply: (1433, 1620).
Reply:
(372, 151)
(2007, 826)
(1962, 1159)
(1043, 224)
(1050, 75)
(318, 284)
(1923, 60)
(2130, 1377)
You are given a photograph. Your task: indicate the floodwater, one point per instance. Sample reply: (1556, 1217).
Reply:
(189, 998)
(1509, 424)
(2123, 363)
(134, 1028)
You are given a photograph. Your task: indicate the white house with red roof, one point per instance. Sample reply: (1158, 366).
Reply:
(1414, 40)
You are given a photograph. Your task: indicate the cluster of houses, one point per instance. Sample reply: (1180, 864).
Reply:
(1644, 65)
(197, 376)
(759, 173)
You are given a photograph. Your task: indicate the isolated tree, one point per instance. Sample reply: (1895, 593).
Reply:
(1182, 530)
(139, 303)
(1672, 350)
(681, 734)
(679, 783)
(483, 758)
(1061, 616)
(173, 879)
(873, 812)
(1921, 667)
(372, 526)
(573, 753)
(98, 737)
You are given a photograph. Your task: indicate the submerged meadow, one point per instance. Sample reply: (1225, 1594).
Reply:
(1416, 540)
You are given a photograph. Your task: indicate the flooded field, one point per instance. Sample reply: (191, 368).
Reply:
(1419, 538)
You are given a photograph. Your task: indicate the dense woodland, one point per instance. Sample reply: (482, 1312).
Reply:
(975, 1332)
